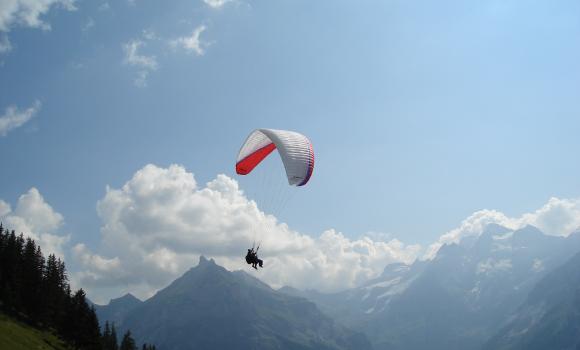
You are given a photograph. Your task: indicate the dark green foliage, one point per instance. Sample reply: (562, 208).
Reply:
(36, 290)
(114, 342)
(128, 343)
(109, 338)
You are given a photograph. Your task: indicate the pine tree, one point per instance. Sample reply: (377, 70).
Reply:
(128, 343)
(3, 262)
(114, 339)
(32, 263)
(66, 324)
(105, 337)
(53, 294)
(11, 272)
(38, 290)
(85, 333)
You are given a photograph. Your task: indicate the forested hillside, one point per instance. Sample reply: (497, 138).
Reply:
(35, 291)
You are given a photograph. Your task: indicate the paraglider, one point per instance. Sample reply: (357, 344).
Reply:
(252, 258)
(296, 153)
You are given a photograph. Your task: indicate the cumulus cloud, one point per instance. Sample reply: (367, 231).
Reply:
(191, 43)
(144, 64)
(472, 226)
(216, 4)
(161, 220)
(558, 217)
(36, 219)
(14, 117)
(157, 225)
(27, 13)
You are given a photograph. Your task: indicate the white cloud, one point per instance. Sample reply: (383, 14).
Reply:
(5, 208)
(558, 217)
(156, 226)
(36, 219)
(159, 222)
(191, 43)
(472, 226)
(134, 58)
(149, 34)
(39, 215)
(144, 64)
(27, 13)
(14, 118)
(216, 4)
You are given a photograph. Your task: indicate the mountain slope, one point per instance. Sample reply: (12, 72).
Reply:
(212, 308)
(15, 335)
(550, 317)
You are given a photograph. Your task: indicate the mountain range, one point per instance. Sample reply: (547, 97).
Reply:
(210, 307)
(458, 300)
(503, 289)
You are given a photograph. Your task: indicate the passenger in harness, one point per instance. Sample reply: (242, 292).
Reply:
(252, 258)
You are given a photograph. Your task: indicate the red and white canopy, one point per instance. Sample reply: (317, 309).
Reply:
(294, 149)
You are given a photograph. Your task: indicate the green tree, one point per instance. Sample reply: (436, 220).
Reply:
(128, 343)
(114, 339)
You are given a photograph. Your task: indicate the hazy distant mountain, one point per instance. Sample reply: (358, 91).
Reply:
(353, 307)
(212, 308)
(117, 309)
(550, 317)
(456, 301)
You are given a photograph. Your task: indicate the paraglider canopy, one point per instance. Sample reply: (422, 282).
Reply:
(294, 149)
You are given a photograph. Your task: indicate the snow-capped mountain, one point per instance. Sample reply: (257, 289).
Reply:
(457, 300)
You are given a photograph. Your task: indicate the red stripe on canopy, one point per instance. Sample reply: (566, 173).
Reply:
(246, 165)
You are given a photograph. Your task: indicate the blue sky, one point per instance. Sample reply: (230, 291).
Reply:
(420, 112)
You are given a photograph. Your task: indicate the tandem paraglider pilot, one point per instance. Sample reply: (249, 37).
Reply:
(296, 153)
(252, 258)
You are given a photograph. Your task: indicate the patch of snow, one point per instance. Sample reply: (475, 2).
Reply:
(503, 236)
(397, 288)
(491, 265)
(498, 247)
(384, 284)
